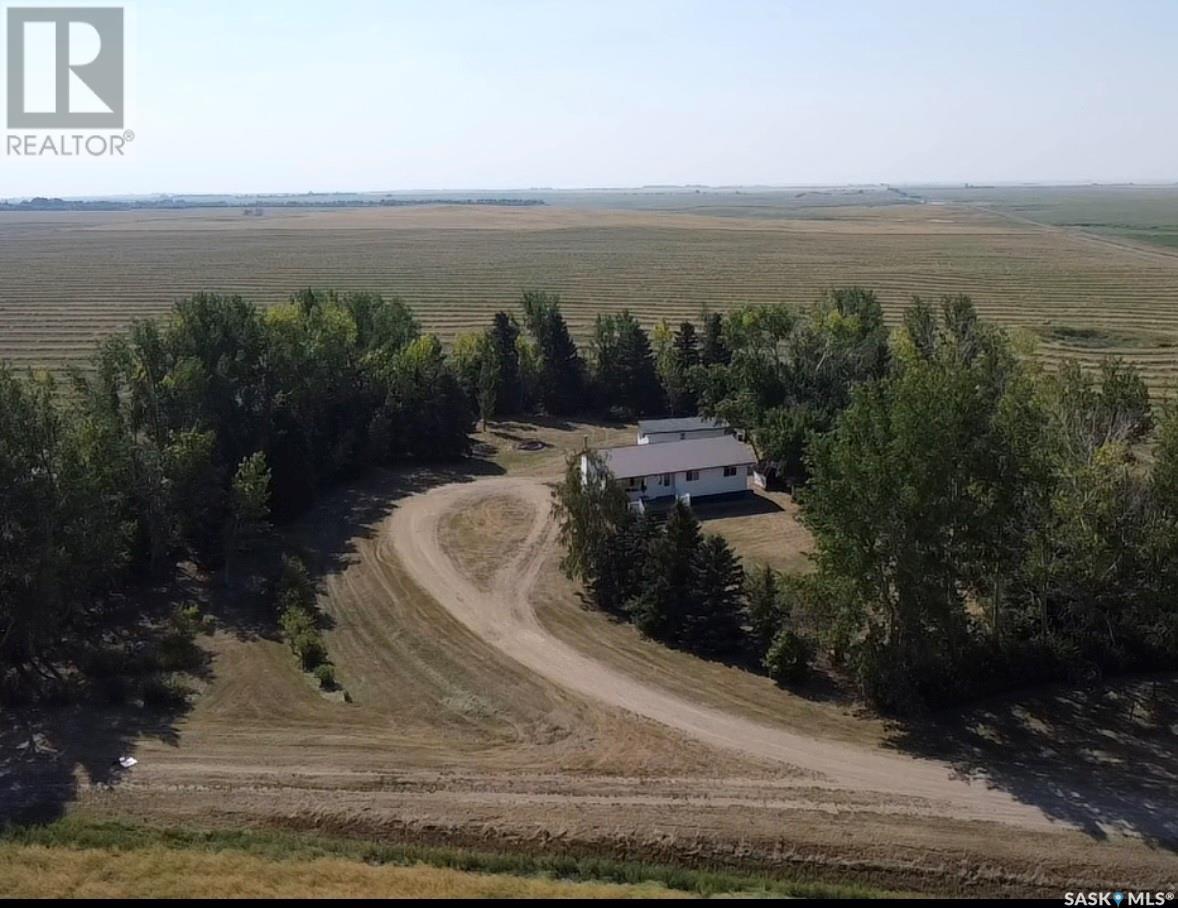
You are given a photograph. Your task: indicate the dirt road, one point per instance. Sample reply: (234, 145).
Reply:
(502, 613)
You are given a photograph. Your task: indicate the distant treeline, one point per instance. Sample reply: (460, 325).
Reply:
(43, 204)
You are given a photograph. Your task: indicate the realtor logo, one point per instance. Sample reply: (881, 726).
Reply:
(65, 67)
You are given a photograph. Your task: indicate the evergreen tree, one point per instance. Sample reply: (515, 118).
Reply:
(714, 351)
(504, 338)
(684, 358)
(561, 379)
(714, 626)
(640, 393)
(763, 606)
(670, 579)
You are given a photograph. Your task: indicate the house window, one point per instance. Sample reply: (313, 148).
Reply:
(665, 479)
(748, 470)
(730, 471)
(692, 475)
(682, 435)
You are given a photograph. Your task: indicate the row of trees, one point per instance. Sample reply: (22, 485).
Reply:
(781, 373)
(979, 524)
(185, 440)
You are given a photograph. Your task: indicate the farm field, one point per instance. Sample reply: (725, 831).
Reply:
(489, 710)
(1145, 214)
(69, 277)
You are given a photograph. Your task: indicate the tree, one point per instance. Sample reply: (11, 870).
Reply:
(561, 380)
(505, 344)
(424, 412)
(670, 580)
(488, 385)
(63, 538)
(788, 658)
(714, 623)
(590, 509)
(684, 357)
(920, 499)
(467, 356)
(249, 508)
(763, 606)
(624, 373)
(714, 351)
(640, 392)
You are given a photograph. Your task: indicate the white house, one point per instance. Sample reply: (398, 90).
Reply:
(690, 469)
(657, 431)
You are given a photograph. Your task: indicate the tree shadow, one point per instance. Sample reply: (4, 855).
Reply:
(42, 752)
(738, 504)
(48, 752)
(1103, 760)
(328, 535)
(532, 423)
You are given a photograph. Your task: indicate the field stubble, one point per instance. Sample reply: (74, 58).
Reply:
(67, 278)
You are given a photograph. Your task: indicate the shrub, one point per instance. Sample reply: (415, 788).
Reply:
(177, 649)
(788, 658)
(294, 589)
(310, 650)
(295, 623)
(325, 675)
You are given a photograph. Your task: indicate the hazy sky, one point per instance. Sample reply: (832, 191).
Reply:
(281, 95)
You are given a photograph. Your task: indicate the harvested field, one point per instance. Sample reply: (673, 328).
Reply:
(66, 278)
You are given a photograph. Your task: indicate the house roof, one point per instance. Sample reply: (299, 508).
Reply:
(677, 456)
(681, 424)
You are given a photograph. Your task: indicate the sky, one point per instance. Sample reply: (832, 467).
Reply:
(349, 95)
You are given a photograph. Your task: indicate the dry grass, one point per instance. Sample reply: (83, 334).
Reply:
(480, 537)
(762, 529)
(66, 278)
(36, 871)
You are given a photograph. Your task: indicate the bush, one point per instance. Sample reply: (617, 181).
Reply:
(788, 658)
(165, 692)
(296, 622)
(294, 589)
(177, 649)
(299, 628)
(325, 675)
(310, 650)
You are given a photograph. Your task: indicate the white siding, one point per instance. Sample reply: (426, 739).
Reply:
(655, 438)
(711, 481)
